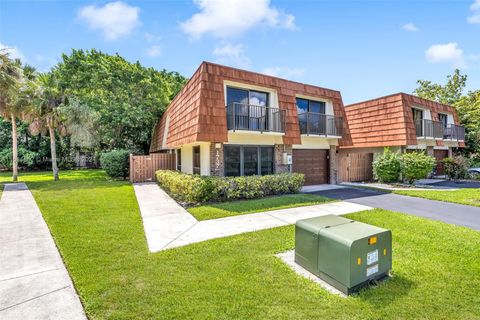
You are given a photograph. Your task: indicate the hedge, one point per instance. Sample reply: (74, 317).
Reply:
(194, 188)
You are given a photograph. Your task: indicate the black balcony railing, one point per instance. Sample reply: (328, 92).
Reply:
(454, 132)
(429, 129)
(255, 118)
(436, 129)
(320, 124)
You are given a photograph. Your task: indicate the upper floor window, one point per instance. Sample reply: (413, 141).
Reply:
(244, 96)
(417, 114)
(305, 105)
(443, 118)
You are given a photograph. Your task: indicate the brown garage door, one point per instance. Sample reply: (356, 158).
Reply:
(313, 164)
(439, 156)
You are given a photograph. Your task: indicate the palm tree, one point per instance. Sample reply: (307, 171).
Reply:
(48, 115)
(15, 100)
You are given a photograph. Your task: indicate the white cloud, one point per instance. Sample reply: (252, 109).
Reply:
(284, 72)
(475, 5)
(475, 17)
(227, 18)
(233, 55)
(114, 19)
(154, 51)
(13, 52)
(449, 52)
(411, 27)
(149, 37)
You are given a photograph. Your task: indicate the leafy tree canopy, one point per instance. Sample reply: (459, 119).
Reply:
(127, 97)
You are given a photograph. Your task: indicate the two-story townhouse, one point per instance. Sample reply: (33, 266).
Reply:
(231, 122)
(403, 123)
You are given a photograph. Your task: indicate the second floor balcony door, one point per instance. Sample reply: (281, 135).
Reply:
(418, 121)
(249, 107)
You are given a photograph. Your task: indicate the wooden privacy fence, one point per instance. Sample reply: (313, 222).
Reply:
(142, 168)
(355, 167)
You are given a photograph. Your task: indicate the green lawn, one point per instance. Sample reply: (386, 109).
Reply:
(463, 196)
(234, 208)
(97, 226)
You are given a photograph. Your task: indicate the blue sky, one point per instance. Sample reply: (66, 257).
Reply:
(362, 48)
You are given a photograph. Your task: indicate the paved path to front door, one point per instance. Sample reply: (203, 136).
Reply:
(34, 283)
(168, 225)
(462, 215)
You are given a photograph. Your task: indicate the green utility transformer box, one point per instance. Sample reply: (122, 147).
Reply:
(345, 253)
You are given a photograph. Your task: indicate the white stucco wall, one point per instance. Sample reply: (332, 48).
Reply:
(187, 157)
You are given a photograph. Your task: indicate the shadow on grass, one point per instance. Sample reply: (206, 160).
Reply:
(387, 291)
(69, 180)
(240, 206)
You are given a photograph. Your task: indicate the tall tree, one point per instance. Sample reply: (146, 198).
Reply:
(15, 102)
(48, 115)
(126, 97)
(450, 93)
(467, 105)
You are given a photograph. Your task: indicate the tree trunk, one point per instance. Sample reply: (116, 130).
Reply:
(53, 151)
(14, 149)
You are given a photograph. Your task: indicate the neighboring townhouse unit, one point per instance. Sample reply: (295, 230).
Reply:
(231, 122)
(402, 122)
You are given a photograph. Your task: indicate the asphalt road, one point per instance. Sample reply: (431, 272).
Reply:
(462, 215)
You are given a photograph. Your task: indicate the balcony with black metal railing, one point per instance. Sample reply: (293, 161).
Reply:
(312, 123)
(437, 130)
(255, 118)
(429, 129)
(454, 132)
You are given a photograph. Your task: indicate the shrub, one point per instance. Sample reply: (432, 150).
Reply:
(387, 166)
(416, 165)
(26, 158)
(115, 163)
(456, 167)
(474, 160)
(194, 188)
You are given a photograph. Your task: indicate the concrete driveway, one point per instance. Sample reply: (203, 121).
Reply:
(453, 213)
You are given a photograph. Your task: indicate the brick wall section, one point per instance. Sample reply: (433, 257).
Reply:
(333, 165)
(198, 112)
(217, 167)
(388, 121)
(278, 157)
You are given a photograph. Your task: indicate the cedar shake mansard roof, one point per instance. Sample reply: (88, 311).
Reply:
(388, 121)
(198, 113)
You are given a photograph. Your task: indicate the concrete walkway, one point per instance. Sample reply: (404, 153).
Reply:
(462, 215)
(168, 225)
(34, 283)
(164, 220)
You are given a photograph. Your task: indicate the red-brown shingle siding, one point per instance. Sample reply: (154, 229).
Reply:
(198, 112)
(286, 92)
(388, 121)
(376, 122)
